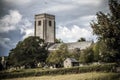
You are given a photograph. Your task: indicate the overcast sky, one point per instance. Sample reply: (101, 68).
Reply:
(72, 19)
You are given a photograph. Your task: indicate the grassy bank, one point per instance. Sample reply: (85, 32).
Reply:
(81, 76)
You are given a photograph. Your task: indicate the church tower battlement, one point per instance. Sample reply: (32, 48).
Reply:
(45, 27)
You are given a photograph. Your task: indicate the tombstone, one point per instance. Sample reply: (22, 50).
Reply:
(3, 62)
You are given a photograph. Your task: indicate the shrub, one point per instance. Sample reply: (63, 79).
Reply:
(110, 67)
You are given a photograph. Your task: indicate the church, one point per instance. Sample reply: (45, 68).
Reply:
(45, 27)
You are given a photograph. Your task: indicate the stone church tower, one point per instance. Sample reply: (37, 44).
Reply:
(45, 27)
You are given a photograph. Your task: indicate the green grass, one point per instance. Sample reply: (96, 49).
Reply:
(81, 76)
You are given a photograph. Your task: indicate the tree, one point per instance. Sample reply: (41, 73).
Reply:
(58, 56)
(75, 54)
(87, 55)
(81, 40)
(58, 41)
(96, 51)
(28, 52)
(107, 28)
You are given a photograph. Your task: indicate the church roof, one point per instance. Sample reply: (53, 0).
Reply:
(73, 45)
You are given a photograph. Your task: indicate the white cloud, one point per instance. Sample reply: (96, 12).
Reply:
(14, 17)
(14, 21)
(87, 19)
(18, 2)
(5, 42)
(58, 8)
(26, 28)
(28, 32)
(88, 2)
(84, 20)
(73, 34)
(81, 2)
(9, 22)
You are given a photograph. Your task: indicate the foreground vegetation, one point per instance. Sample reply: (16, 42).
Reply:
(59, 71)
(81, 76)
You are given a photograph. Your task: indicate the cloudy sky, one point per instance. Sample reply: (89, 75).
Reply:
(72, 19)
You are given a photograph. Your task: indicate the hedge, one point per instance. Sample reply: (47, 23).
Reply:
(111, 67)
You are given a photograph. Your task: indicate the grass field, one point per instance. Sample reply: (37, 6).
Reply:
(81, 76)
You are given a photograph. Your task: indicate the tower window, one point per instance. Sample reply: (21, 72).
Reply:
(39, 23)
(50, 23)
